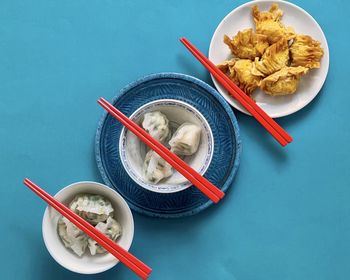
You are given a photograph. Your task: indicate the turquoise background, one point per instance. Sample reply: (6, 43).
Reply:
(288, 213)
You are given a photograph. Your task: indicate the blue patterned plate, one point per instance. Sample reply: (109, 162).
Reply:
(209, 103)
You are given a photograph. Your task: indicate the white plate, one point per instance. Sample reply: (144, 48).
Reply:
(303, 23)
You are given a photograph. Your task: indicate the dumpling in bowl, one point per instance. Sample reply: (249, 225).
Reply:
(275, 58)
(111, 228)
(247, 44)
(269, 24)
(284, 81)
(155, 168)
(157, 125)
(71, 236)
(92, 208)
(306, 52)
(241, 73)
(186, 139)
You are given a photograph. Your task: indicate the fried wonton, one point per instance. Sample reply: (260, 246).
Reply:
(283, 82)
(275, 58)
(227, 67)
(268, 23)
(306, 52)
(247, 44)
(240, 72)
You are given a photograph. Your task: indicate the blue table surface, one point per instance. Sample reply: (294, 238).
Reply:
(288, 213)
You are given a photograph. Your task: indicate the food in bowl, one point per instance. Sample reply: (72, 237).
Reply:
(92, 208)
(111, 228)
(184, 142)
(273, 57)
(71, 236)
(157, 125)
(186, 139)
(155, 168)
(97, 211)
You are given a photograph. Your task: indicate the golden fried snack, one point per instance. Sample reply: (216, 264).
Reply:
(268, 23)
(227, 66)
(240, 72)
(275, 58)
(306, 52)
(283, 82)
(247, 44)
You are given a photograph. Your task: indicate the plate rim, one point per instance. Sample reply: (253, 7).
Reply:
(325, 47)
(209, 89)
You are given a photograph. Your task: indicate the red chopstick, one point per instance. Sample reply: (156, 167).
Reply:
(211, 191)
(141, 269)
(260, 115)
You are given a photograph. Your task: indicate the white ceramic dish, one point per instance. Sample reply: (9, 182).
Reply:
(86, 264)
(303, 23)
(133, 150)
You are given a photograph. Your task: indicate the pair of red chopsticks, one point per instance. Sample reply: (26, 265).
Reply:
(271, 126)
(211, 191)
(121, 254)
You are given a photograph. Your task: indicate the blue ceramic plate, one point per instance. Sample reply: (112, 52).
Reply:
(209, 103)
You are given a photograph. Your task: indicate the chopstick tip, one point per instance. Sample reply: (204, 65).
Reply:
(102, 100)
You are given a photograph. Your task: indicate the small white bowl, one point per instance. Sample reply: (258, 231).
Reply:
(86, 264)
(132, 150)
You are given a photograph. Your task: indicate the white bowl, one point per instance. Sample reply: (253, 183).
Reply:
(132, 150)
(303, 23)
(86, 264)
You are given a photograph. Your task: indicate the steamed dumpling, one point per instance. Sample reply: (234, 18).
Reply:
(157, 125)
(92, 208)
(155, 168)
(111, 228)
(71, 236)
(186, 139)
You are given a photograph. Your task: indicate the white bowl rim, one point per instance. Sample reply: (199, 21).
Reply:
(121, 200)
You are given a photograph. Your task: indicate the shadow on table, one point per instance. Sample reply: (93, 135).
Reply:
(187, 228)
(94, 169)
(48, 268)
(249, 126)
(247, 123)
(193, 67)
